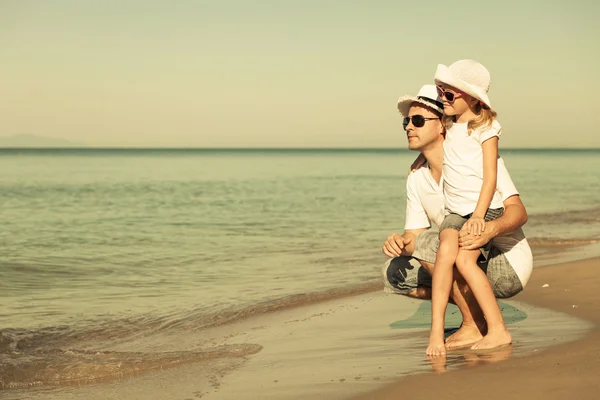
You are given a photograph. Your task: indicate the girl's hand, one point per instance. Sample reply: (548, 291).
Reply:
(417, 163)
(475, 226)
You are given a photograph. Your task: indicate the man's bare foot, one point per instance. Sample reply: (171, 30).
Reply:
(494, 338)
(466, 335)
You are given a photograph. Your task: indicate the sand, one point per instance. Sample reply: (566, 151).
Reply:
(570, 370)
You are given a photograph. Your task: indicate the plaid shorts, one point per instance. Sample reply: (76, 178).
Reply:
(402, 275)
(455, 221)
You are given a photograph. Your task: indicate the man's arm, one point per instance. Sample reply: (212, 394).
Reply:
(416, 219)
(397, 245)
(514, 217)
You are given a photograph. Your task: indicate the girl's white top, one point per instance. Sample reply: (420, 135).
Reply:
(463, 167)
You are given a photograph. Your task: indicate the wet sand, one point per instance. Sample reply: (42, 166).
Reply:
(570, 370)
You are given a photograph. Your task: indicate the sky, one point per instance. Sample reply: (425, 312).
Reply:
(288, 73)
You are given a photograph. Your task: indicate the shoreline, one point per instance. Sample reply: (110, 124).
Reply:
(566, 370)
(371, 343)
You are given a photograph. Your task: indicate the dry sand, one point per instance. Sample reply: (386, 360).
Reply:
(567, 371)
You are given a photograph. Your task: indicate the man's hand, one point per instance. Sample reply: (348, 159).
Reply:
(514, 217)
(469, 241)
(394, 244)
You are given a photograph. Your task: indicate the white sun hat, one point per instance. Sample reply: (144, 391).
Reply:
(468, 76)
(427, 96)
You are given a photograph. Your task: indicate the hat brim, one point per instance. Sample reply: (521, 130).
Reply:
(405, 102)
(443, 74)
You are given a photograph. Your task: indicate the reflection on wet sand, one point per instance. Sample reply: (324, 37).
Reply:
(470, 358)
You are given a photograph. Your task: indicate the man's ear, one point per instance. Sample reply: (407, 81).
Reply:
(442, 128)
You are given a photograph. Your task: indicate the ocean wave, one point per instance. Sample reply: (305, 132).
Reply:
(75, 367)
(535, 242)
(567, 216)
(94, 331)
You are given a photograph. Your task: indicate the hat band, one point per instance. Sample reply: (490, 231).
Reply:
(431, 101)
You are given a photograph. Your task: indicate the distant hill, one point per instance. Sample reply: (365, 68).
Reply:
(27, 140)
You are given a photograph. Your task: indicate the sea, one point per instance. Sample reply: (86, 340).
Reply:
(108, 250)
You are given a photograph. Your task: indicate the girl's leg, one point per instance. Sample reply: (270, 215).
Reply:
(497, 334)
(440, 291)
(473, 325)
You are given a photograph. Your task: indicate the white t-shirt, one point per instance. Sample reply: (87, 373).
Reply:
(425, 206)
(463, 167)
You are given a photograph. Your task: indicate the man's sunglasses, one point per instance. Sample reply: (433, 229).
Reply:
(450, 96)
(418, 121)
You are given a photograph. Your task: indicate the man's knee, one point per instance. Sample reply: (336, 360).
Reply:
(403, 275)
(426, 246)
(506, 287)
(502, 276)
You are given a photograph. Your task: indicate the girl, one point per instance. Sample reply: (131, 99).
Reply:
(469, 174)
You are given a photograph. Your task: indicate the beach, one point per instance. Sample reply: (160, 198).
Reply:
(569, 370)
(172, 274)
(355, 344)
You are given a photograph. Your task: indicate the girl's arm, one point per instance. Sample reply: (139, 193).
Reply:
(514, 217)
(490, 170)
(419, 161)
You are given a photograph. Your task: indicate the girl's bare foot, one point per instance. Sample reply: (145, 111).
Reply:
(494, 338)
(436, 345)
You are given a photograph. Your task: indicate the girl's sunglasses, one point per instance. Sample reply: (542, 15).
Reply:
(450, 96)
(418, 121)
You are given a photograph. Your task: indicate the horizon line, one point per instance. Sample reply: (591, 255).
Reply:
(142, 148)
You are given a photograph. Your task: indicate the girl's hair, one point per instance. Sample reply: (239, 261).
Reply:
(485, 117)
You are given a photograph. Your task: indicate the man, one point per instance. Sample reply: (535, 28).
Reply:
(506, 256)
